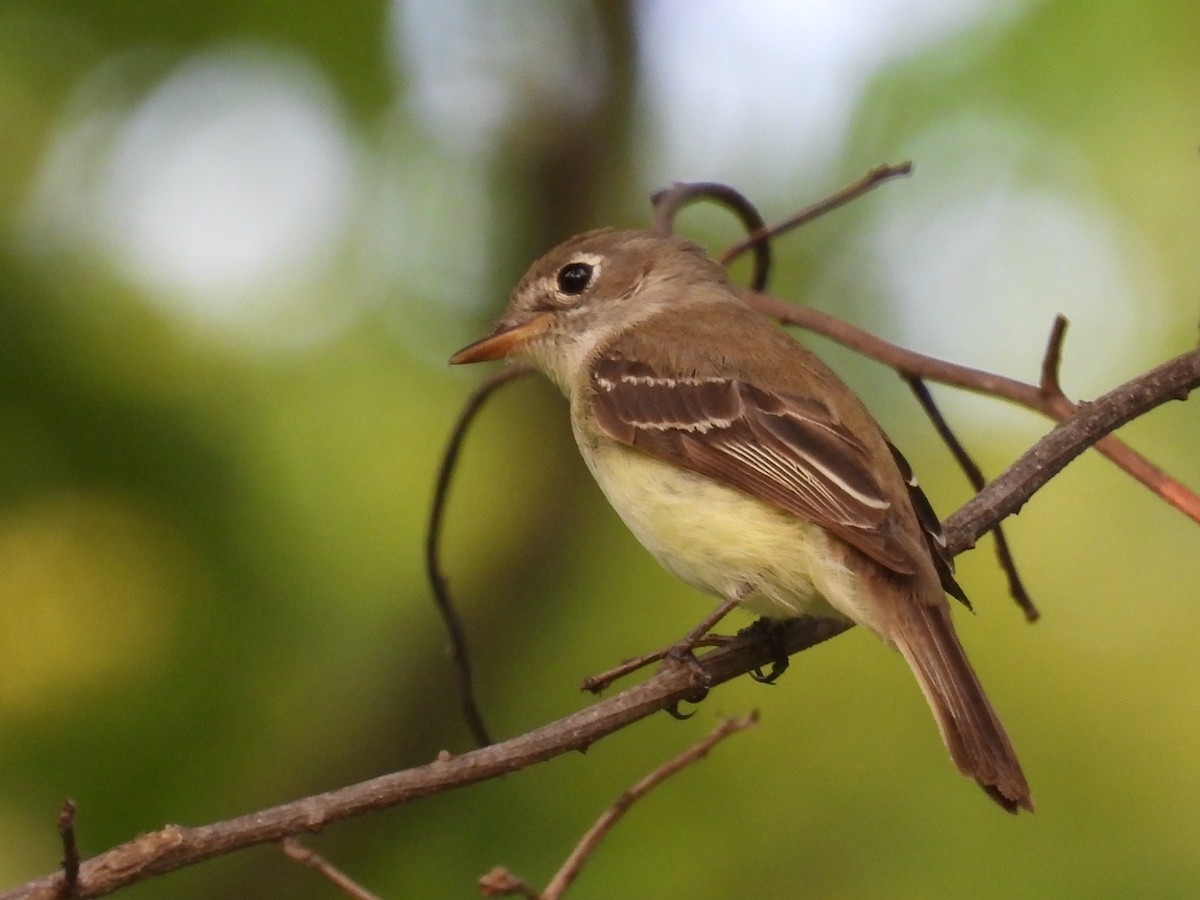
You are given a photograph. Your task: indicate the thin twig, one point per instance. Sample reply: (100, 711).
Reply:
(596, 684)
(591, 840)
(70, 861)
(667, 204)
(433, 537)
(1006, 494)
(1052, 359)
(500, 882)
(873, 179)
(313, 860)
(699, 636)
(911, 364)
(1016, 588)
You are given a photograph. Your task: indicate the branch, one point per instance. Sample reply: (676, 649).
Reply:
(759, 236)
(501, 882)
(1016, 587)
(175, 846)
(669, 202)
(1004, 496)
(293, 849)
(916, 365)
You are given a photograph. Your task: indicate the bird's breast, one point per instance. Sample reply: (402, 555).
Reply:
(721, 540)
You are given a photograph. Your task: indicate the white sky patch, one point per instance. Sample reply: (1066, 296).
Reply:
(427, 226)
(423, 249)
(223, 194)
(1006, 230)
(751, 92)
(471, 70)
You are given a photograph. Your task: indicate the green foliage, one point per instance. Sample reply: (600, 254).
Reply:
(239, 240)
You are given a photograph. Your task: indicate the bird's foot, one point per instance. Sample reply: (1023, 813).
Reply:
(596, 683)
(679, 652)
(683, 654)
(772, 631)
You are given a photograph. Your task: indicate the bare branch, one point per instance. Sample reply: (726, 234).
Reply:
(313, 860)
(1052, 360)
(916, 365)
(1173, 380)
(853, 191)
(175, 846)
(1016, 588)
(70, 863)
(591, 840)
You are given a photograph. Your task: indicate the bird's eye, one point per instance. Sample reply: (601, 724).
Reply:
(573, 278)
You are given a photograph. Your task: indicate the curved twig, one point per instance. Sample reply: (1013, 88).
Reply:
(667, 204)
(433, 538)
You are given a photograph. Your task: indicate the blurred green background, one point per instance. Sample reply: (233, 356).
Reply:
(238, 241)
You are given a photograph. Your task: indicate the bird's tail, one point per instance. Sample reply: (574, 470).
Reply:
(970, 727)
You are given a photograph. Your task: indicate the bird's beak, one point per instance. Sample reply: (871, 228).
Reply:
(504, 340)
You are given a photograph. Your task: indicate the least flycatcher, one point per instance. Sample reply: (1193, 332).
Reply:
(745, 465)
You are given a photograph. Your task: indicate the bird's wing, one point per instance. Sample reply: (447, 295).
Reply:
(789, 451)
(931, 528)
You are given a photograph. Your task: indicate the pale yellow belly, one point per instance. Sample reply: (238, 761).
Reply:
(723, 541)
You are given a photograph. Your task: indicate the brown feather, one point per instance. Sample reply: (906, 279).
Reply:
(935, 538)
(789, 452)
(970, 728)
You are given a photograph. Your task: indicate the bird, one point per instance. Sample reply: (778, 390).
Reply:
(744, 465)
